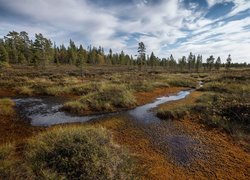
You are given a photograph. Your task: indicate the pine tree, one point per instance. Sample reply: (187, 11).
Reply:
(141, 52)
(198, 63)
(172, 63)
(182, 63)
(4, 58)
(42, 49)
(11, 40)
(72, 52)
(218, 63)
(152, 60)
(210, 62)
(229, 60)
(189, 60)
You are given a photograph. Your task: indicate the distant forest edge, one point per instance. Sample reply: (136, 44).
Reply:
(18, 48)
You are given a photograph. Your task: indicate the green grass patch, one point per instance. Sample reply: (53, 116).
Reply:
(108, 97)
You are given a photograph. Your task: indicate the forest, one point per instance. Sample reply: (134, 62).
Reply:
(18, 48)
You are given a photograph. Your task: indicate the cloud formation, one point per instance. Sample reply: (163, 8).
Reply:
(177, 27)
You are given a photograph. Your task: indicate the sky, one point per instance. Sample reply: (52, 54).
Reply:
(178, 27)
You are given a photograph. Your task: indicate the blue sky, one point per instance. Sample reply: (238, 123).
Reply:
(207, 27)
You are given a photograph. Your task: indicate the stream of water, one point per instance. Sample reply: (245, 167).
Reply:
(46, 111)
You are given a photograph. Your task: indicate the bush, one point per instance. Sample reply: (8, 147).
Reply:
(77, 153)
(7, 107)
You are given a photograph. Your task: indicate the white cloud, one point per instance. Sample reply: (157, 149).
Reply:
(158, 26)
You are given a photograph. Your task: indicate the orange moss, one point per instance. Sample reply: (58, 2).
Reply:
(190, 99)
(151, 163)
(147, 97)
(13, 129)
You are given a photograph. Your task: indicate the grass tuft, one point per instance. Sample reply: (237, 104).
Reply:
(107, 97)
(25, 90)
(7, 107)
(172, 114)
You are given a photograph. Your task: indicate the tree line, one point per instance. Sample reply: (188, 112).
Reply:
(18, 48)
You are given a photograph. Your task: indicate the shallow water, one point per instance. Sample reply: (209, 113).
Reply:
(45, 111)
(144, 113)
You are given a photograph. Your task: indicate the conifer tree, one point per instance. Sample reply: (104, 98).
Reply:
(4, 58)
(229, 60)
(141, 52)
(218, 63)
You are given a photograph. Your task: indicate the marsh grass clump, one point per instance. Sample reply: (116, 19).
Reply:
(8, 162)
(75, 107)
(172, 114)
(178, 80)
(57, 90)
(107, 97)
(7, 107)
(142, 85)
(224, 111)
(25, 90)
(77, 153)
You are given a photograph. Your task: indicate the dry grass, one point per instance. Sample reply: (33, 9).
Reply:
(7, 107)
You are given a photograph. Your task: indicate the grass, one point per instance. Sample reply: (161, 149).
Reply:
(176, 113)
(25, 90)
(57, 90)
(7, 107)
(225, 103)
(68, 153)
(107, 97)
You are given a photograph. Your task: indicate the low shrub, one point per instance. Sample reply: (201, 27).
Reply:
(77, 153)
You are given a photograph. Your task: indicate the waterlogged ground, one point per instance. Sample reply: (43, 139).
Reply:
(165, 149)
